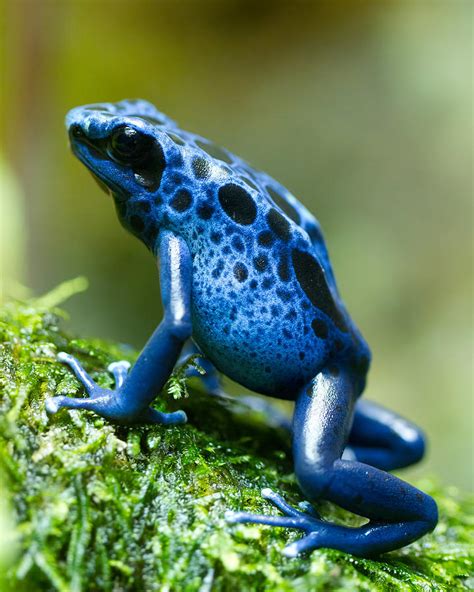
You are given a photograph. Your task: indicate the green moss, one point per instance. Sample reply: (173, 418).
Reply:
(93, 506)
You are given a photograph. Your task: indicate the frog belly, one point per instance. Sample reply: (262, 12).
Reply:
(272, 356)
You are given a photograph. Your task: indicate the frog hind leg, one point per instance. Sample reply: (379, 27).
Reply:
(381, 438)
(398, 512)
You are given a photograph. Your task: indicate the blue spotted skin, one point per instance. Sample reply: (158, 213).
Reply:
(245, 272)
(242, 272)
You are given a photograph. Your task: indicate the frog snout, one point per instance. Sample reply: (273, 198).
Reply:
(77, 135)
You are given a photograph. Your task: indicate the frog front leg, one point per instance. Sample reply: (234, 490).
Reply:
(398, 512)
(135, 391)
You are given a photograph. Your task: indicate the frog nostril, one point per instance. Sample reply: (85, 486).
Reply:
(76, 131)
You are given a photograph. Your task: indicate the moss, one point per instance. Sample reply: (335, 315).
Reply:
(101, 507)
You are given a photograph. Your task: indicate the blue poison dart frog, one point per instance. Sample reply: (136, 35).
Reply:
(245, 274)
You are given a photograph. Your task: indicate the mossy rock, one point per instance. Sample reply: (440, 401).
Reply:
(92, 506)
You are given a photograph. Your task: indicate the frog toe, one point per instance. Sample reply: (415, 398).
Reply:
(157, 417)
(306, 509)
(305, 544)
(55, 404)
(250, 518)
(119, 370)
(78, 370)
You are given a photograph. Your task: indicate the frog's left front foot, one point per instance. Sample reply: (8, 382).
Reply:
(110, 404)
(308, 521)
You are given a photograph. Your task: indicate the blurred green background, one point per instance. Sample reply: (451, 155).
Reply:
(363, 109)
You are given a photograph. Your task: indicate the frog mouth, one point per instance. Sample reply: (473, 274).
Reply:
(101, 183)
(89, 155)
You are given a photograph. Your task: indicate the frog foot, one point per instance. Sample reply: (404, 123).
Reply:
(108, 403)
(308, 521)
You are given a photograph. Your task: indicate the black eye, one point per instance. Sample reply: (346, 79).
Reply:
(128, 144)
(76, 131)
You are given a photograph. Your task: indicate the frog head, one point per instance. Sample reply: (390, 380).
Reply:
(121, 144)
(127, 147)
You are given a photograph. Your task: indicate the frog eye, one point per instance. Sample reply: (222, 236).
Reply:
(128, 144)
(76, 132)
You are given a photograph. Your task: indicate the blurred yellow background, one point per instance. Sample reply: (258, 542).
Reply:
(363, 109)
